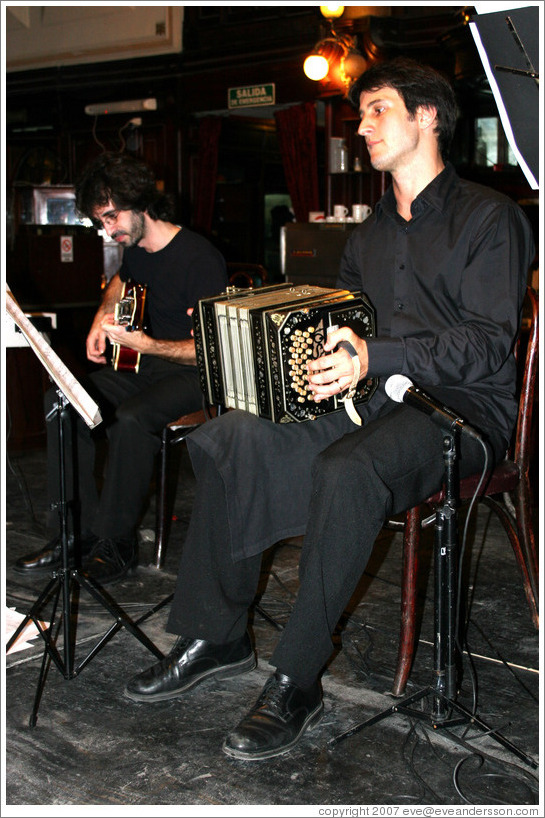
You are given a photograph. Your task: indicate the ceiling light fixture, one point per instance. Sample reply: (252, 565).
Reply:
(332, 10)
(325, 53)
(335, 58)
(123, 107)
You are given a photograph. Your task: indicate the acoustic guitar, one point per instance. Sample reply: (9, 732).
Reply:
(129, 313)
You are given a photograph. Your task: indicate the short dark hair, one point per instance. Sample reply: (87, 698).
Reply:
(418, 85)
(125, 181)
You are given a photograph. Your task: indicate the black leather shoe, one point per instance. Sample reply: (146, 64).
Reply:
(277, 721)
(110, 560)
(189, 663)
(49, 558)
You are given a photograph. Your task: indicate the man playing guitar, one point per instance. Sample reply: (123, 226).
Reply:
(176, 267)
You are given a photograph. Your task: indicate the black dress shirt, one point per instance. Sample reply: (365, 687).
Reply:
(447, 287)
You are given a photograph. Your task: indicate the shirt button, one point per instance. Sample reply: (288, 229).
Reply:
(401, 266)
(400, 305)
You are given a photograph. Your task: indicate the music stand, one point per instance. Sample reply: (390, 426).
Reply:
(445, 710)
(67, 579)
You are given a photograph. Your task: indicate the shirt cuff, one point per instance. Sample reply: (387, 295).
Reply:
(386, 356)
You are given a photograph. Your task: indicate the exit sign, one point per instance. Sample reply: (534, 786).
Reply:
(251, 96)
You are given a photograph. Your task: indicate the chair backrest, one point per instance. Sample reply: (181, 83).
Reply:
(244, 274)
(523, 432)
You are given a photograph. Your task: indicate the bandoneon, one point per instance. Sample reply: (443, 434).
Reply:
(252, 347)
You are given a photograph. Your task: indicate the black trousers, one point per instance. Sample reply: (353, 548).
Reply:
(393, 462)
(135, 407)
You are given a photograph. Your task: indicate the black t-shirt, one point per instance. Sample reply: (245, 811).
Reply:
(187, 269)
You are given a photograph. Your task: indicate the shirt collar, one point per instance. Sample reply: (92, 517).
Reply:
(436, 195)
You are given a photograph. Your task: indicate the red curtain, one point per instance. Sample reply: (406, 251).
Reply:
(296, 129)
(207, 167)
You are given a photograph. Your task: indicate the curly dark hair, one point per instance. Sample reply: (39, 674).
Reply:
(418, 85)
(125, 181)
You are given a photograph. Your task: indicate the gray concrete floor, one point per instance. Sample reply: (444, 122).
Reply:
(93, 746)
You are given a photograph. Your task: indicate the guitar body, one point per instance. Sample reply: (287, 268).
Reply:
(129, 313)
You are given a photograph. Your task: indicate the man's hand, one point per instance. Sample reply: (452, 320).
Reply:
(333, 373)
(117, 334)
(96, 345)
(96, 340)
(104, 327)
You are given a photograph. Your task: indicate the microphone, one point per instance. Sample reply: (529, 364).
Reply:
(402, 390)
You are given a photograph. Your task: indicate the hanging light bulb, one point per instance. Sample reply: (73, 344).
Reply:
(316, 67)
(326, 54)
(332, 10)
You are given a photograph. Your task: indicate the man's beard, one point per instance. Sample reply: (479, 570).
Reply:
(135, 234)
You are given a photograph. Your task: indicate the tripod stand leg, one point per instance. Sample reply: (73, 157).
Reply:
(118, 613)
(65, 581)
(32, 614)
(470, 718)
(50, 651)
(46, 662)
(384, 714)
(268, 618)
(154, 609)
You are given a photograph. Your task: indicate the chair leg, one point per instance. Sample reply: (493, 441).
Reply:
(161, 502)
(511, 532)
(523, 505)
(411, 540)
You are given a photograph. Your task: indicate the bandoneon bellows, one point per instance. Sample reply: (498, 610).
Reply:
(252, 347)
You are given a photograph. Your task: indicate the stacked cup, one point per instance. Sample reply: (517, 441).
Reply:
(360, 212)
(340, 212)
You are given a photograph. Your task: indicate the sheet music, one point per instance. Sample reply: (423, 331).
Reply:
(59, 372)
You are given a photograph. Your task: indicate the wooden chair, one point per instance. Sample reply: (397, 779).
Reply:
(508, 492)
(173, 434)
(241, 274)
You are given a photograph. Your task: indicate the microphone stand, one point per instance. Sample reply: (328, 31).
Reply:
(443, 689)
(64, 583)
